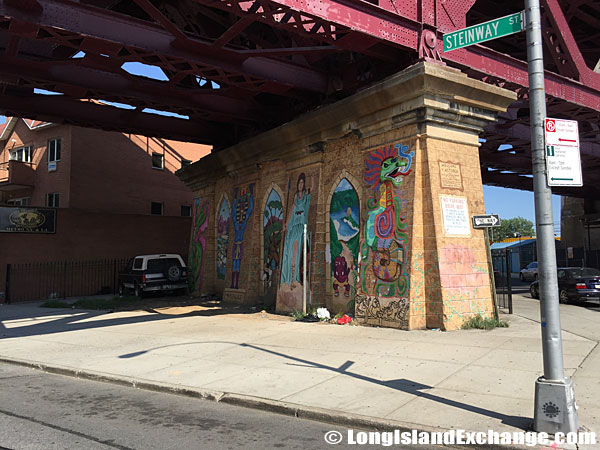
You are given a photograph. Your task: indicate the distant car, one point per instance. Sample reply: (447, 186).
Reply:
(575, 284)
(153, 273)
(529, 272)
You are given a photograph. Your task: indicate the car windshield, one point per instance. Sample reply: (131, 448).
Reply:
(584, 272)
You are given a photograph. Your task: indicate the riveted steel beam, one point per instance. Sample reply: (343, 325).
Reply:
(124, 38)
(60, 109)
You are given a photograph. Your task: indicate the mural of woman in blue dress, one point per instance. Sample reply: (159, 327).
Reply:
(298, 217)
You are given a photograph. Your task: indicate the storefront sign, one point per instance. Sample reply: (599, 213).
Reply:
(27, 220)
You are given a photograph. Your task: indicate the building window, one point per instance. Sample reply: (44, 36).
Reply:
(156, 209)
(158, 161)
(185, 163)
(186, 211)
(52, 200)
(54, 150)
(25, 201)
(22, 154)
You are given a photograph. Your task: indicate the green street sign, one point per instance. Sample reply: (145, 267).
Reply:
(484, 31)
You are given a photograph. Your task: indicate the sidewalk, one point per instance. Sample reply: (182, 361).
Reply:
(474, 380)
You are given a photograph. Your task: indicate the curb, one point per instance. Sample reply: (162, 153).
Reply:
(323, 415)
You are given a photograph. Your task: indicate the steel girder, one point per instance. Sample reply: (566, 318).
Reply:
(274, 59)
(123, 38)
(93, 115)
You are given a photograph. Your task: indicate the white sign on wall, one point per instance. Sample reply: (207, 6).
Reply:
(455, 215)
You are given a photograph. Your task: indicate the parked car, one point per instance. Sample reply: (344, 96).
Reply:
(529, 272)
(154, 273)
(575, 284)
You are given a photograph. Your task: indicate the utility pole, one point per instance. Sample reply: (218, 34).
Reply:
(555, 409)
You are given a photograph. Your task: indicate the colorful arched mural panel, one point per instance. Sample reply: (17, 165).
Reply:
(344, 236)
(384, 250)
(198, 244)
(223, 221)
(300, 211)
(273, 232)
(243, 205)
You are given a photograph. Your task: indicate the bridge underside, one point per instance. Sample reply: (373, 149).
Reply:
(227, 70)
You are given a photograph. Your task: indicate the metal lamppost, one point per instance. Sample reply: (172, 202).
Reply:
(555, 408)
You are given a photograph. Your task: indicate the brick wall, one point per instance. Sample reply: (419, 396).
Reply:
(81, 235)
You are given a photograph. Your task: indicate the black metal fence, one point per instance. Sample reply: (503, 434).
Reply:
(577, 257)
(502, 277)
(61, 279)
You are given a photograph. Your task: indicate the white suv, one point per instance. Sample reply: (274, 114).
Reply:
(152, 273)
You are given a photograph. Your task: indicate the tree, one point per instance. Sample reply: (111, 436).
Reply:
(508, 228)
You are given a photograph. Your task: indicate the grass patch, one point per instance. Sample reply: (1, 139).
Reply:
(55, 304)
(297, 315)
(483, 323)
(96, 303)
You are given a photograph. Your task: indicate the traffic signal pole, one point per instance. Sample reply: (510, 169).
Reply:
(555, 408)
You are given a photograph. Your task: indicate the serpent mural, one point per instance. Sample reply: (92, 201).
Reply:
(383, 252)
(198, 244)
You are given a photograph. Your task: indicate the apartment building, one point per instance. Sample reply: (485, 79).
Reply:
(114, 195)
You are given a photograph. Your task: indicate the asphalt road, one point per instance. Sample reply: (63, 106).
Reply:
(50, 412)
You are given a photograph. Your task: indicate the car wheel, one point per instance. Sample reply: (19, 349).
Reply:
(533, 290)
(174, 273)
(138, 291)
(563, 297)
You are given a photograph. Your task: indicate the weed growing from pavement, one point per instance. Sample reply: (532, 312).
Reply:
(297, 315)
(483, 323)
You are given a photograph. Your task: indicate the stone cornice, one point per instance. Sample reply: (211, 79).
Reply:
(426, 94)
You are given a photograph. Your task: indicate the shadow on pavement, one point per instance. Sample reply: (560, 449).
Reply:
(62, 320)
(401, 384)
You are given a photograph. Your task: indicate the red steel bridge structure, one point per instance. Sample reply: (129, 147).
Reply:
(234, 68)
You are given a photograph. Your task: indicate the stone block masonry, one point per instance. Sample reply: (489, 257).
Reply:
(386, 182)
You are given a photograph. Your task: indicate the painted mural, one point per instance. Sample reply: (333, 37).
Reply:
(223, 222)
(198, 244)
(301, 189)
(384, 249)
(344, 236)
(273, 232)
(243, 205)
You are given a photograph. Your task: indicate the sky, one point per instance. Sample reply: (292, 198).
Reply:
(509, 203)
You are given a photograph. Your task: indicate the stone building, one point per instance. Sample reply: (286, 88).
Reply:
(386, 182)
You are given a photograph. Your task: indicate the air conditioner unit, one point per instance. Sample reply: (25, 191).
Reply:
(51, 166)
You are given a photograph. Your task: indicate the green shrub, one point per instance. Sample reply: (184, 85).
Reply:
(483, 323)
(297, 315)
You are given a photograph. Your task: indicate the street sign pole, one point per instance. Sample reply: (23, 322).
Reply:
(554, 409)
